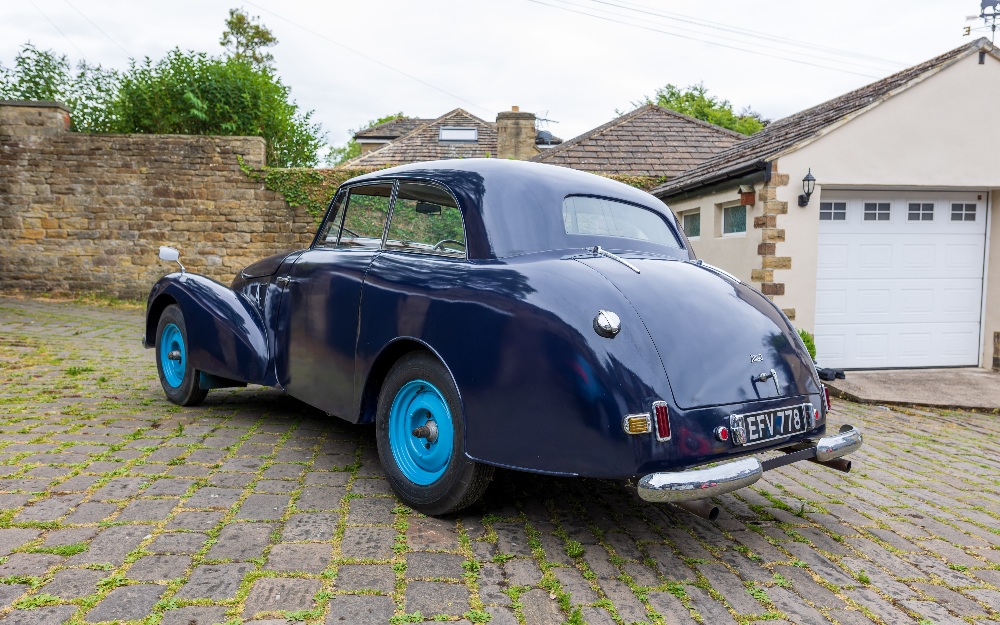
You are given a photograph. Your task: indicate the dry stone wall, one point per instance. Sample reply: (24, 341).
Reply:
(82, 212)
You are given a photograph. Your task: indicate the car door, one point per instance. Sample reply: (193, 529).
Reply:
(411, 288)
(322, 298)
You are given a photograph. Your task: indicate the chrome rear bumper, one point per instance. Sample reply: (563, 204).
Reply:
(696, 484)
(847, 441)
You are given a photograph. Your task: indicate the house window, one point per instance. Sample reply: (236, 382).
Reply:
(692, 224)
(832, 211)
(734, 219)
(458, 134)
(876, 211)
(963, 212)
(920, 212)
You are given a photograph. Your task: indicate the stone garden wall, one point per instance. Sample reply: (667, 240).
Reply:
(82, 212)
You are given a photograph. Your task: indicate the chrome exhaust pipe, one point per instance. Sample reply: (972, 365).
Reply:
(700, 507)
(840, 464)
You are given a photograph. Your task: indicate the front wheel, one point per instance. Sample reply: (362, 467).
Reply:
(420, 431)
(177, 377)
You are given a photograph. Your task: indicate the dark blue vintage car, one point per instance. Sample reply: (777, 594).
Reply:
(487, 313)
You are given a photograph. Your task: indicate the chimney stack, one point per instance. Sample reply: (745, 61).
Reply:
(516, 135)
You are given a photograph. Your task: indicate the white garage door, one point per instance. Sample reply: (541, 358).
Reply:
(899, 279)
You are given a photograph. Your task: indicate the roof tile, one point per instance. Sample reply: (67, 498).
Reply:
(643, 142)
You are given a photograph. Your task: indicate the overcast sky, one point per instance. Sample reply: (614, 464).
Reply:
(572, 61)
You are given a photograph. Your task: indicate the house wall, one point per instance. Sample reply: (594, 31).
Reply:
(737, 254)
(937, 135)
(82, 212)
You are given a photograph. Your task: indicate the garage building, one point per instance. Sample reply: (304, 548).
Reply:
(888, 261)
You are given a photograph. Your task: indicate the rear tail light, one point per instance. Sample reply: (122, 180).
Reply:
(826, 396)
(662, 416)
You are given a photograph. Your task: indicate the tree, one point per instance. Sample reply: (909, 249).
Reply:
(36, 75)
(193, 93)
(696, 102)
(43, 75)
(244, 38)
(352, 148)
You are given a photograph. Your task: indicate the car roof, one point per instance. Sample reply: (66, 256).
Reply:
(513, 207)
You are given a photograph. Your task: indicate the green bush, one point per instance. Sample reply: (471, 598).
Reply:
(193, 93)
(810, 344)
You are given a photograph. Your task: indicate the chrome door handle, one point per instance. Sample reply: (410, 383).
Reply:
(282, 280)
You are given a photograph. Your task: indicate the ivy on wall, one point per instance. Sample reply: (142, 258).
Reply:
(309, 188)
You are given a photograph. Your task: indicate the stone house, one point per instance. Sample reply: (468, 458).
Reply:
(889, 260)
(456, 134)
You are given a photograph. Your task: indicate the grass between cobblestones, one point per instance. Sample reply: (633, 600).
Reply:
(115, 504)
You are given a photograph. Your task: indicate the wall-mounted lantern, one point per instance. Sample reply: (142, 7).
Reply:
(808, 186)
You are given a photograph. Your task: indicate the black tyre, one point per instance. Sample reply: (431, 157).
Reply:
(420, 430)
(177, 377)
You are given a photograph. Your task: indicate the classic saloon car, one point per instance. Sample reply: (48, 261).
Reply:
(486, 313)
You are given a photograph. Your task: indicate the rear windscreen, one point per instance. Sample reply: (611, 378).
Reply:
(601, 217)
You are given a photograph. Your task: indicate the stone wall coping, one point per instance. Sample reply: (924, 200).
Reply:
(47, 104)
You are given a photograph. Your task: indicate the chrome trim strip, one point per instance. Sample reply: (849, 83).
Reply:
(848, 441)
(722, 272)
(700, 483)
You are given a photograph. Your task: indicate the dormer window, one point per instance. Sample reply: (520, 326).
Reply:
(458, 134)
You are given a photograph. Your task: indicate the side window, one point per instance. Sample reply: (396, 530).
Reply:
(426, 219)
(366, 208)
(364, 216)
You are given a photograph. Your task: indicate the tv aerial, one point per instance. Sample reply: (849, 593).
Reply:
(989, 12)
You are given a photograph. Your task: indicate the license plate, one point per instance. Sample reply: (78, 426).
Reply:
(757, 427)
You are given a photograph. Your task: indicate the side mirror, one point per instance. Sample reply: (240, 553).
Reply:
(171, 255)
(425, 208)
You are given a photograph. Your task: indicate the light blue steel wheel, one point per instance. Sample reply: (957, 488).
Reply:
(172, 341)
(420, 406)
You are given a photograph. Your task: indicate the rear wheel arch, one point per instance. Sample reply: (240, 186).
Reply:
(384, 362)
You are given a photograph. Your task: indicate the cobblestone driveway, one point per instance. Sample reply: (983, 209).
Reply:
(117, 506)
